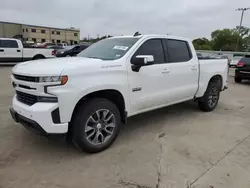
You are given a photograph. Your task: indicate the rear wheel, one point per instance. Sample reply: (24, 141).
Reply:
(211, 97)
(96, 125)
(237, 79)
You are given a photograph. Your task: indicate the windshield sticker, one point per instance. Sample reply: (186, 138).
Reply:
(124, 48)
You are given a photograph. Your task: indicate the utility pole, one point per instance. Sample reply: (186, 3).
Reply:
(241, 20)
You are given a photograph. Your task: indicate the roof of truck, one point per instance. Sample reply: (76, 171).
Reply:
(8, 39)
(153, 36)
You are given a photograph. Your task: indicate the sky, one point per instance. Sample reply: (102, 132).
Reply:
(186, 18)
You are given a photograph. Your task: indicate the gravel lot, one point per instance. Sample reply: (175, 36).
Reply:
(174, 147)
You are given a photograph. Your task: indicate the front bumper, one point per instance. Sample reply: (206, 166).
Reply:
(38, 117)
(245, 74)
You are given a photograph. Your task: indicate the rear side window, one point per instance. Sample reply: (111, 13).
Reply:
(9, 44)
(152, 47)
(178, 51)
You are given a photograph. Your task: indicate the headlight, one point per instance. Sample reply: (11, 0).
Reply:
(62, 79)
(61, 52)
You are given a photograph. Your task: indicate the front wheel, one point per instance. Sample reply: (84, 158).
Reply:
(211, 97)
(96, 125)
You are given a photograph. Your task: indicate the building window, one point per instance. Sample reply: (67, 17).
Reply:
(23, 30)
(43, 40)
(33, 30)
(75, 42)
(26, 30)
(58, 32)
(75, 34)
(42, 31)
(53, 41)
(53, 32)
(34, 39)
(58, 41)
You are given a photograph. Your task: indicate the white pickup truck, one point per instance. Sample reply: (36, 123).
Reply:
(89, 96)
(12, 50)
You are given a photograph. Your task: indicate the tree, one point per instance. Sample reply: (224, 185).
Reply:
(246, 43)
(226, 40)
(244, 31)
(202, 44)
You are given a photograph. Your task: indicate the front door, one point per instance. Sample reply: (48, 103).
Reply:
(148, 86)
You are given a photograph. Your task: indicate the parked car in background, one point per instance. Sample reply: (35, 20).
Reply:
(199, 55)
(242, 70)
(90, 95)
(235, 60)
(46, 44)
(12, 50)
(71, 52)
(56, 48)
(62, 44)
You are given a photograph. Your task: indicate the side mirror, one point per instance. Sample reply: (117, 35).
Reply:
(143, 60)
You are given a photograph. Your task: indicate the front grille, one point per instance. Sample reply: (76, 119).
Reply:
(26, 98)
(26, 78)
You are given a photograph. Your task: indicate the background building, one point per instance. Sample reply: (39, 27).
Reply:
(39, 34)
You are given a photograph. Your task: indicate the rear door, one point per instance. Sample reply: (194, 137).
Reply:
(10, 51)
(183, 70)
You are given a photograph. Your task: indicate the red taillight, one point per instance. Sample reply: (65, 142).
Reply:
(240, 64)
(53, 52)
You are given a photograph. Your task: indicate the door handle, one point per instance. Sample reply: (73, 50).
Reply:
(165, 71)
(194, 68)
(1, 50)
(18, 50)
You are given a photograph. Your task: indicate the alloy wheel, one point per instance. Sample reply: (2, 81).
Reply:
(100, 127)
(213, 97)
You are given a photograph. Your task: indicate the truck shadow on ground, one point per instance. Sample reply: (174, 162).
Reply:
(136, 124)
(150, 124)
(158, 118)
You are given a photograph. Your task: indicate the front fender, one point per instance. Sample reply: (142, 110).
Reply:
(69, 97)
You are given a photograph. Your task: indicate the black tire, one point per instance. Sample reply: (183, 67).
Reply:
(205, 102)
(81, 118)
(237, 79)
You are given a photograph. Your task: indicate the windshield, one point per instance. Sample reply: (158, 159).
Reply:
(109, 49)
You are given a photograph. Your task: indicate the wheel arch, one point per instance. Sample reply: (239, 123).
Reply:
(112, 95)
(38, 56)
(217, 78)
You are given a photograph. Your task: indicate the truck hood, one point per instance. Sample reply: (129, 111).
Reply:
(55, 66)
